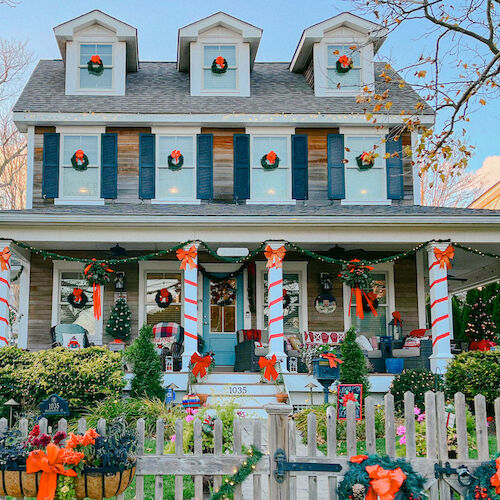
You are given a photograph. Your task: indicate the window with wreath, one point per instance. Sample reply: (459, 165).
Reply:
(219, 80)
(223, 306)
(92, 80)
(163, 297)
(348, 80)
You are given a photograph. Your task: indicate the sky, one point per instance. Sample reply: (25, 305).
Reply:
(283, 21)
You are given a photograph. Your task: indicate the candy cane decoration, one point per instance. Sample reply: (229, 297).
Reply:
(4, 292)
(439, 263)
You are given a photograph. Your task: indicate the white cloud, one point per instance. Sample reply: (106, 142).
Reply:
(489, 173)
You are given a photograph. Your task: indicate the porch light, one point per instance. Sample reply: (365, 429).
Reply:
(395, 326)
(120, 282)
(174, 190)
(325, 282)
(271, 191)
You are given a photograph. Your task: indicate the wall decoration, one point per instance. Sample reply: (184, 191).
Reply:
(325, 303)
(223, 293)
(365, 160)
(175, 160)
(163, 298)
(346, 393)
(80, 160)
(344, 64)
(219, 65)
(270, 161)
(97, 274)
(95, 65)
(77, 298)
(357, 276)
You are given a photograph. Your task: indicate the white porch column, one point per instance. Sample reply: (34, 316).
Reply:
(442, 327)
(4, 292)
(190, 320)
(275, 306)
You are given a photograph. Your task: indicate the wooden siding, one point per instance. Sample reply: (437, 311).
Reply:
(38, 201)
(309, 73)
(405, 284)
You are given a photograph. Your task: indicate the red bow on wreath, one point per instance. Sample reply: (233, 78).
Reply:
(77, 293)
(220, 62)
(164, 295)
(495, 479)
(201, 364)
(79, 154)
(274, 256)
(271, 157)
(95, 59)
(187, 257)
(345, 61)
(4, 259)
(384, 484)
(444, 257)
(268, 366)
(332, 359)
(175, 154)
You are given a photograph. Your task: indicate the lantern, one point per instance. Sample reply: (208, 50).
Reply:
(395, 326)
(325, 283)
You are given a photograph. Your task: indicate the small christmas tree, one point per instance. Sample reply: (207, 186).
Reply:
(118, 325)
(480, 324)
(353, 370)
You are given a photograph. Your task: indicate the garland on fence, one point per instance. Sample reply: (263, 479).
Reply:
(485, 481)
(246, 468)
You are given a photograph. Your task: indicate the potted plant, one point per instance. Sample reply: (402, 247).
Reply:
(199, 367)
(270, 370)
(281, 394)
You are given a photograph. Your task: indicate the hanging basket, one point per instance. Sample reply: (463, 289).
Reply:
(100, 482)
(16, 482)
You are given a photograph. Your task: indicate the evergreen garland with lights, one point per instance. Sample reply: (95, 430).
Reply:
(481, 486)
(118, 325)
(480, 325)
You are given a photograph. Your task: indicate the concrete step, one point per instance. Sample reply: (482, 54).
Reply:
(235, 390)
(232, 378)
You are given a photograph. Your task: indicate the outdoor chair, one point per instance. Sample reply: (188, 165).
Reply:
(250, 347)
(70, 335)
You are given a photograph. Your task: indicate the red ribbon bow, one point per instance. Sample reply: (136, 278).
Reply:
(345, 61)
(77, 293)
(79, 154)
(384, 484)
(50, 464)
(274, 256)
(4, 259)
(220, 62)
(175, 154)
(444, 256)
(95, 59)
(268, 366)
(164, 295)
(201, 364)
(348, 397)
(396, 315)
(495, 479)
(332, 359)
(187, 257)
(357, 459)
(271, 157)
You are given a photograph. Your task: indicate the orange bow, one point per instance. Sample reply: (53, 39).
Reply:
(271, 157)
(397, 318)
(333, 360)
(187, 257)
(384, 483)
(268, 366)
(95, 59)
(348, 397)
(50, 464)
(345, 61)
(274, 256)
(357, 459)
(4, 259)
(77, 293)
(175, 154)
(79, 154)
(495, 479)
(220, 62)
(444, 257)
(201, 364)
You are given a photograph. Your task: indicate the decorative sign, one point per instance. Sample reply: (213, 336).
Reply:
(346, 393)
(53, 406)
(236, 390)
(169, 396)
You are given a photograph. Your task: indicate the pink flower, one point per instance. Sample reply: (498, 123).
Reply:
(402, 440)
(189, 418)
(401, 430)
(172, 438)
(421, 417)
(417, 410)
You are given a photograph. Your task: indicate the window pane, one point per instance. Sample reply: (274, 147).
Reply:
(176, 184)
(71, 280)
(185, 144)
(263, 145)
(104, 51)
(292, 313)
(211, 52)
(222, 81)
(154, 283)
(365, 185)
(271, 185)
(342, 50)
(74, 142)
(80, 184)
(358, 145)
(348, 81)
(370, 325)
(229, 319)
(92, 81)
(216, 319)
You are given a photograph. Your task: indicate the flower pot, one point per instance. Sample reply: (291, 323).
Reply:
(203, 398)
(17, 483)
(281, 397)
(323, 371)
(99, 483)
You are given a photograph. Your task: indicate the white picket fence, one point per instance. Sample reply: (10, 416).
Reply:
(281, 434)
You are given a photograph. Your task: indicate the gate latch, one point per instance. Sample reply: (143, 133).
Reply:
(283, 466)
(463, 474)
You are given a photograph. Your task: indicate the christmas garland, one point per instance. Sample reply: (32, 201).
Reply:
(80, 160)
(95, 65)
(246, 468)
(365, 161)
(344, 64)
(219, 65)
(175, 160)
(375, 475)
(163, 298)
(77, 298)
(485, 482)
(17, 275)
(270, 161)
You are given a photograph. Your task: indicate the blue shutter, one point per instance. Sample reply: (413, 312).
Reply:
(146, 166)
(204, 164)
(336, 173)
(50, 172)
(109, 165)
(394, 168)
(299, 167)
(241, 160)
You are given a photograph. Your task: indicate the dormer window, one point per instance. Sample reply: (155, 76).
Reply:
(223, 77)
(96, 79)
(342, 75)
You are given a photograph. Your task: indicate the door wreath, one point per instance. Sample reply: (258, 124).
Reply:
(223, 293)
(344, 64)
(219, 65)
(270, 161)
(365, 160)
(175, 160)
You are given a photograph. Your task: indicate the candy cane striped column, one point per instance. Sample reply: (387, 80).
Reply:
(4, 294)
(275, 306)
(441, 324)
(190, 320)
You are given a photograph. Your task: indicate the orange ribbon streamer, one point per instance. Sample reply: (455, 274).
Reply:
(384, 483)
(95, 59)
(268, 366)
(96, 297)
(175, 154)
(4, 259)
(495, 479)
(77, 292)
(274, 256)
(220, 62)
(271, 157)
(187, 257)
(332, 359)
(444, 257)
(201, 364)
(359, 303)
(397, 318)
(50, 464)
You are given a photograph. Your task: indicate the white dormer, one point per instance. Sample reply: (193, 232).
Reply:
(97, 34)
(323, 44)
(219, 35)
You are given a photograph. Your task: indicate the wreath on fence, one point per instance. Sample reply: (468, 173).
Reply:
(376, 476)
(485, 482)
(175, 160)
(80, 160)
(223, 293)
(95, 65)
(163, 298)
(77, 298)
(270, 161)
(344, 64)
(219, 65)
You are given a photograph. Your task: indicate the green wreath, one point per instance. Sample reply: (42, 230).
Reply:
(480, 486)
(217, 70)
(362, 165)
(95, 67)
(175, 166)
(80, 166)
(356, 482)
(343, 69)
(269, 166)
(97, 273)
(355, 274)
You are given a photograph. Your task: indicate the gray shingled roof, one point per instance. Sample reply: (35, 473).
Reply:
(159, 88)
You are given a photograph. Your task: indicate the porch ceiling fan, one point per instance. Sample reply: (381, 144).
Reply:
(118, 251)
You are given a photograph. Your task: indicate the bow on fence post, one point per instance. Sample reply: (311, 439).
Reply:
(384, 484)
(268, 365)
(200, 364)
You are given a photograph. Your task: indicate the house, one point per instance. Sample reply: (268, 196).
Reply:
(490, 199)
(225, 153)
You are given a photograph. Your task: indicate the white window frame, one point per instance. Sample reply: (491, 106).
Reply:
(80, 66)
(58, 268)
(296, 267)
(367, 132)
(386, 267)
(270, 132)
(79, 131)
(328, 68)
(236, 89)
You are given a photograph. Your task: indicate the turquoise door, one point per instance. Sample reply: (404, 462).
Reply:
(222, 317)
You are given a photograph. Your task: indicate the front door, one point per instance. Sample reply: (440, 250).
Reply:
(222, 316)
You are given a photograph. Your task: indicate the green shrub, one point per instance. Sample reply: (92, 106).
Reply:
(416, 381)
(475, 372)
(353, 370)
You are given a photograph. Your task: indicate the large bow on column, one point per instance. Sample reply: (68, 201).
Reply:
(201, 364)
(495, 479)
(50, 464)
(4, 259)
(274, 256)
(384, 484)
(332, 359)
(444, 256)
(268, 366)
(187, 257)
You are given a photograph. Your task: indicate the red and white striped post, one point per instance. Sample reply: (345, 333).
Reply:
(189, 263)
(4, 295)
(441, 324)
(275, 252)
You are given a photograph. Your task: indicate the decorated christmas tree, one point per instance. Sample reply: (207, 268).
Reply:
(118, 325)
(480, 324)
(353, 370)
